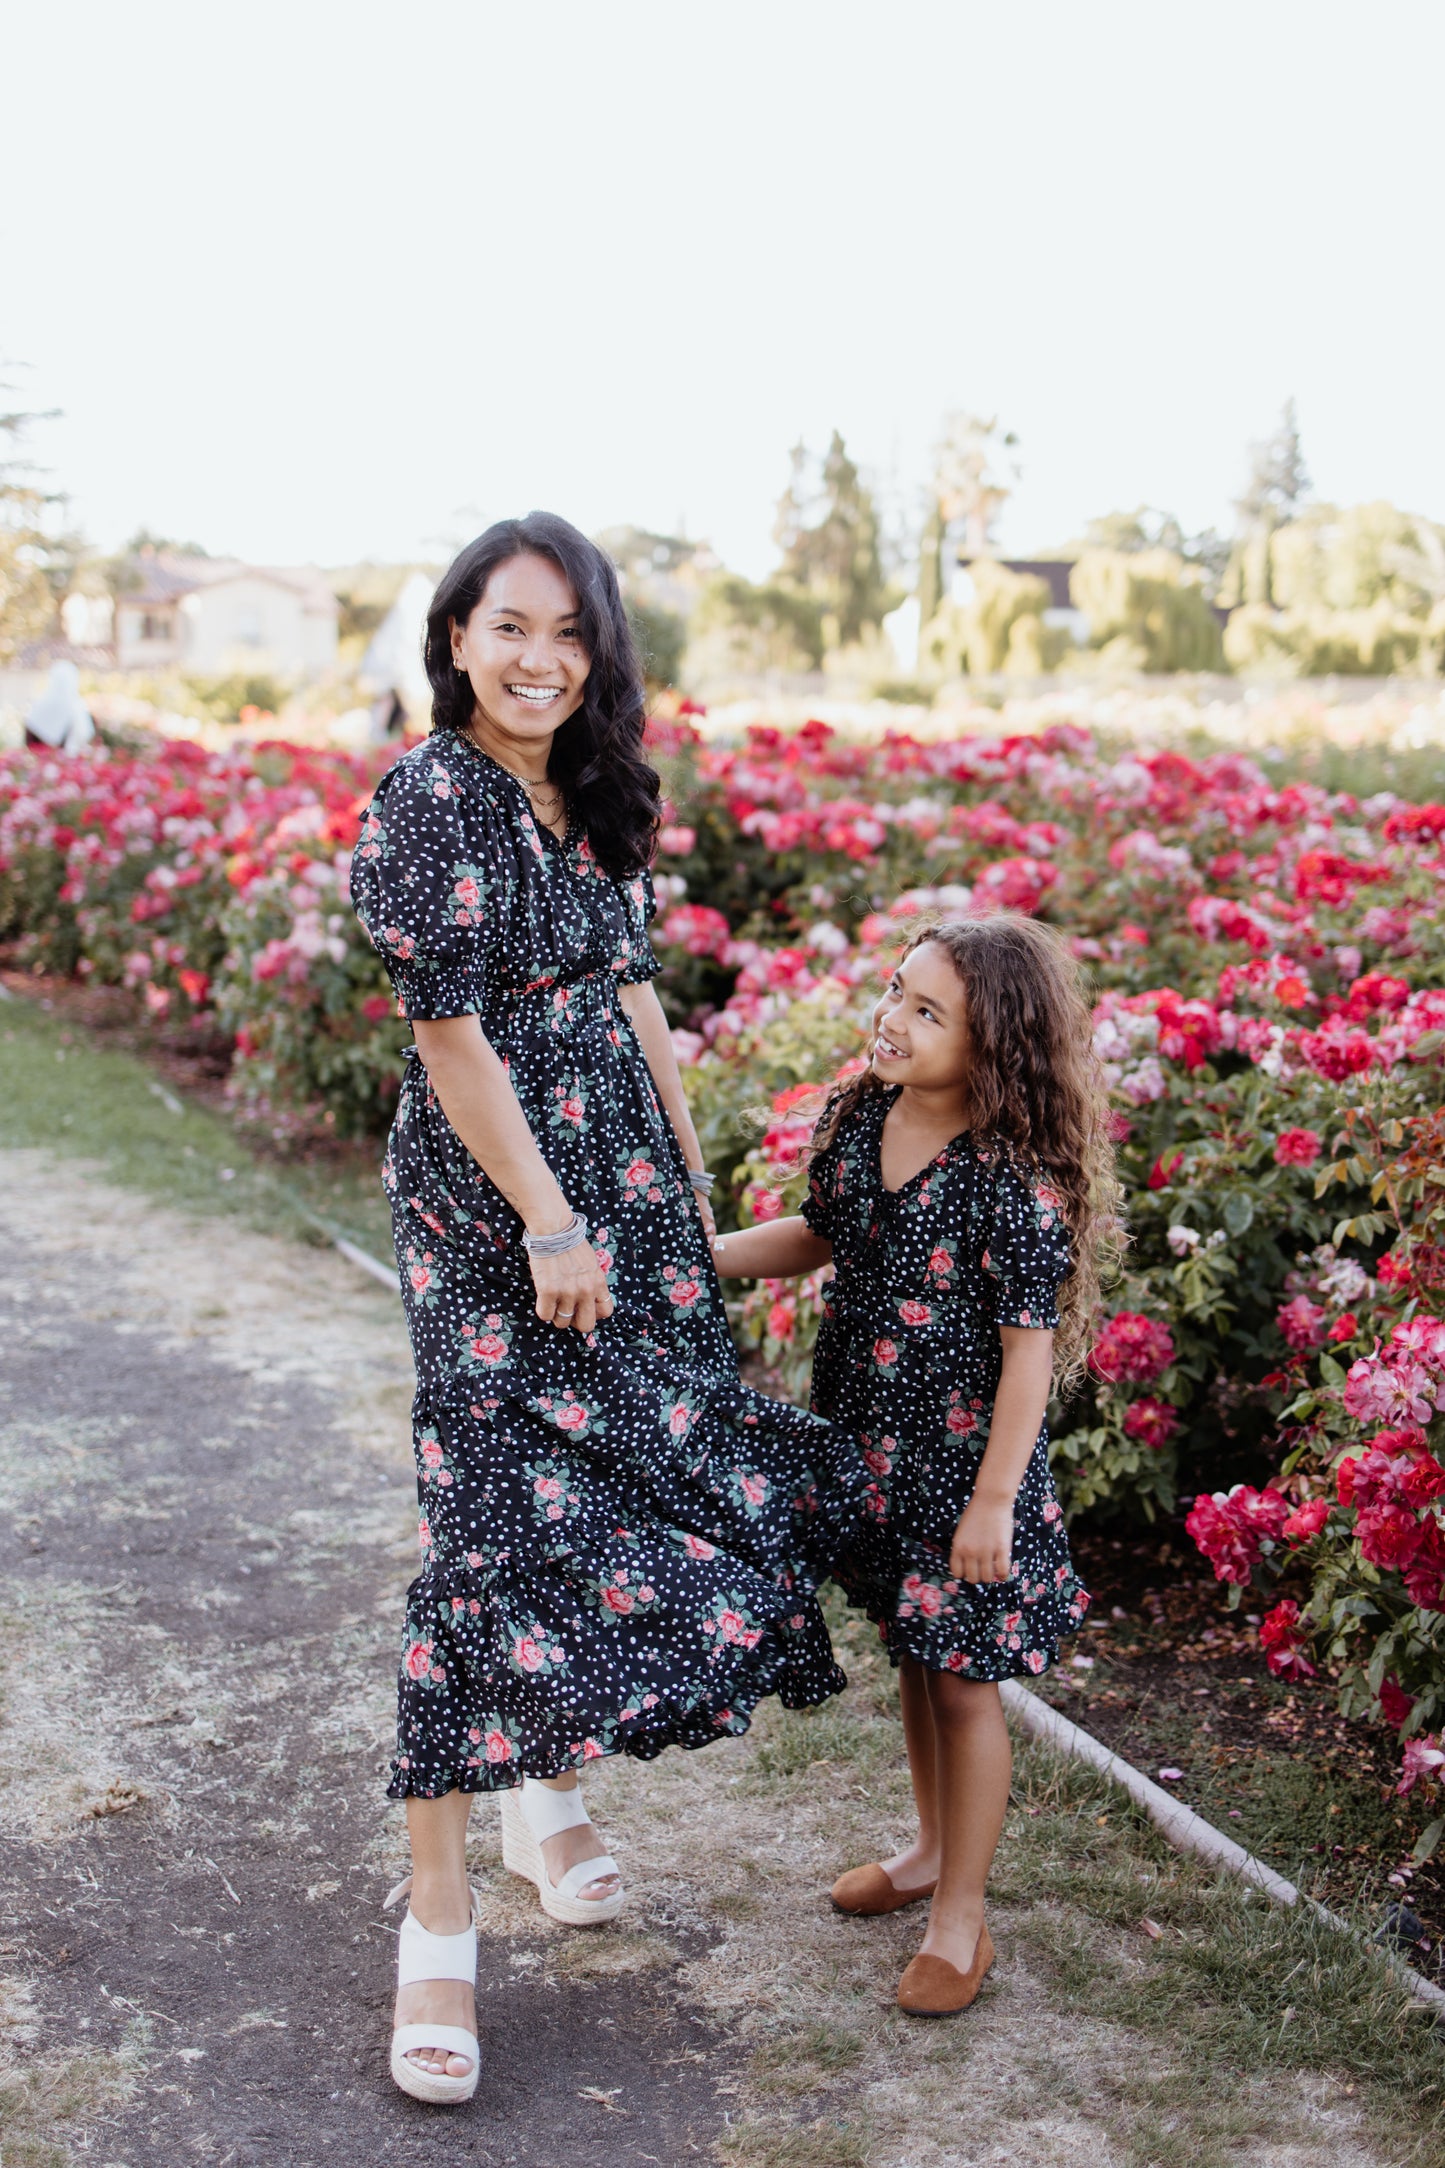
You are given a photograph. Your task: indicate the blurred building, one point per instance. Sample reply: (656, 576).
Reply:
(214, 617)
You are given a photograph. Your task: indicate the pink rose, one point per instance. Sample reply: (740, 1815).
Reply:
(678, 1419)
(914, 1313)
(620, 1600)
(684, 1293)
(699, 1547)
(417, 1660)
(884, 1353)
(490, 1348)
(573, 1417)
(730, 1624)
(431, 1453)
(527, 1653)
(499, 1747)
(754, 1488)
(547, 1486)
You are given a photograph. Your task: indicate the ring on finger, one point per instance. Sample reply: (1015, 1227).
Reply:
(564, 1313)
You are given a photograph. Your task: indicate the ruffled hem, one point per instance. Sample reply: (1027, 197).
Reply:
(725, 1711)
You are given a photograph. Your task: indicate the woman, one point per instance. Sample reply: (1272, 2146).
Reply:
(620, 1542)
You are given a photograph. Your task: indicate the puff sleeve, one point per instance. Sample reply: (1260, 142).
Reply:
(432, 877)
(820, 1206)
(639, 899)
(1028, 1252)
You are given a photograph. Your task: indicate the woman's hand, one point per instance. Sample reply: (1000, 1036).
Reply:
(983, 1541)
(571, 1289)
(709, 1222)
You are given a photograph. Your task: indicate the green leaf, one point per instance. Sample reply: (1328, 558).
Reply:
(1238, 1213)
(1428, 1838)
(1332, 1372)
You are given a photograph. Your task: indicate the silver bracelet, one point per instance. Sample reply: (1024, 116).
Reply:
(567, 1238)
(701, 1180)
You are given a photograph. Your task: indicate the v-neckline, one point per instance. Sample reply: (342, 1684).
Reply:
(943, 1153)
(543, 828)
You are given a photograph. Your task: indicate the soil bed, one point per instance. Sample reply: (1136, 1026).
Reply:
(1170, 1678)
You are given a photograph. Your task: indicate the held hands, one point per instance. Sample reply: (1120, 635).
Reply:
(983, 1541)
(571, 1289)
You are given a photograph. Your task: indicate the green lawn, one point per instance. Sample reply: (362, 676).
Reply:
(60, 1092)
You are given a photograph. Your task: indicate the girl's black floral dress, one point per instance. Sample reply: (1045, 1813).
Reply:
(620, 1542)
(908, 1360)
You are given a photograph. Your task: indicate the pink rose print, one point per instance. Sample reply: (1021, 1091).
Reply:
(699, 1547)
(527, 1653)
(620, 1600)
(573, 1417)
(499, 1747)
(547, 1486)
(1036, 1660)
(754, 1488)
(684, 1293)
(417, 1660)
(914, 1313)
(884, 1352)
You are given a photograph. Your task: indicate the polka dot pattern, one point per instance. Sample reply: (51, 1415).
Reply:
(621, 1543)
(908, 1361)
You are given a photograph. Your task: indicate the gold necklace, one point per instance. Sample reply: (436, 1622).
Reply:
(535, 791)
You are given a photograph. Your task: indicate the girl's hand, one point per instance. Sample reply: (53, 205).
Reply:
(571, 1289)
(983, 1541)
(709, 1220)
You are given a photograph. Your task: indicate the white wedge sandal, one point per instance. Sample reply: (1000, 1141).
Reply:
(532, 1812)
(422, 1955)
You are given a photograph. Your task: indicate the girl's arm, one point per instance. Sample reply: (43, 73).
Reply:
(983, 1540)
(778, 1250)
(479, 1102)
(645, 1012)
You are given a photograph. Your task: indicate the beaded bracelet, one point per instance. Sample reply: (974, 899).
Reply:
(566, 1238)
(701, 1180)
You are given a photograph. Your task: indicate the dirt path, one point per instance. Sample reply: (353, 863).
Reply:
(204, 1452)
(206, 1521)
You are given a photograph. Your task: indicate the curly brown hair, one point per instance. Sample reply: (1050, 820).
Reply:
(1036, 1088)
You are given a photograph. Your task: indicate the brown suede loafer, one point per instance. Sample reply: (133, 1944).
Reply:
(867, 1893)
(931, 1987)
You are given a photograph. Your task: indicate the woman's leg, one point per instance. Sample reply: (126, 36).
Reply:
(917, 1864)
(571, 1846)
(441, 1900)
(973, 1765)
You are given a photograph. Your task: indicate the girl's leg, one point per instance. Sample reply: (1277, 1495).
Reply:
(974, 1763)
(441, 1901)
(917, 1864)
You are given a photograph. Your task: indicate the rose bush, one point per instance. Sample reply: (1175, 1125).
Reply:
(1270, 972)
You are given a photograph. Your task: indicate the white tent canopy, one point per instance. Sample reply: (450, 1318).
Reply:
(392, 663)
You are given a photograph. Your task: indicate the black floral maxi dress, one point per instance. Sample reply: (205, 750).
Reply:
(620, 1542)
(908, 1360)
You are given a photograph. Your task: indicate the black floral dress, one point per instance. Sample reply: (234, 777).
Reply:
(908, 1360)
(620, 1542)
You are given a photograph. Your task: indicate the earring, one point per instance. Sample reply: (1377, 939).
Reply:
(457, 663)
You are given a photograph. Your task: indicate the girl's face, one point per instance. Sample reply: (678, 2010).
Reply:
(522, 650)
(921, 1030)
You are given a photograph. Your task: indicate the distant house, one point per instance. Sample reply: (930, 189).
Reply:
(1054, 570)
(215, 617)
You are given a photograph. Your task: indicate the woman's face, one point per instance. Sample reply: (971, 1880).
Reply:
(522, 650)
(920, 1025)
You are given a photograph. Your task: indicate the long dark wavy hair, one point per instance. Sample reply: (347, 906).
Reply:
(1036, 1089)
(597, 755)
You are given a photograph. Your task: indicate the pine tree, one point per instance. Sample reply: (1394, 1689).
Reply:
(830, 542)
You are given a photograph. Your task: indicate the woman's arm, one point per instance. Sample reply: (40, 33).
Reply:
(646, 1015)
(479, 1102)
(778, 1250)
(983, 1540)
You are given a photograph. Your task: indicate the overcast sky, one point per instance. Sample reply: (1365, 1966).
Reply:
(326, 281)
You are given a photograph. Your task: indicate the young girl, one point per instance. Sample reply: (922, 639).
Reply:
(963, 1188)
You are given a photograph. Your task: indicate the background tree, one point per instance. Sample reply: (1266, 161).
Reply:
(29, 553)
(972, 477)
(1147, 609)
(829, 540)
(1277, 485)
